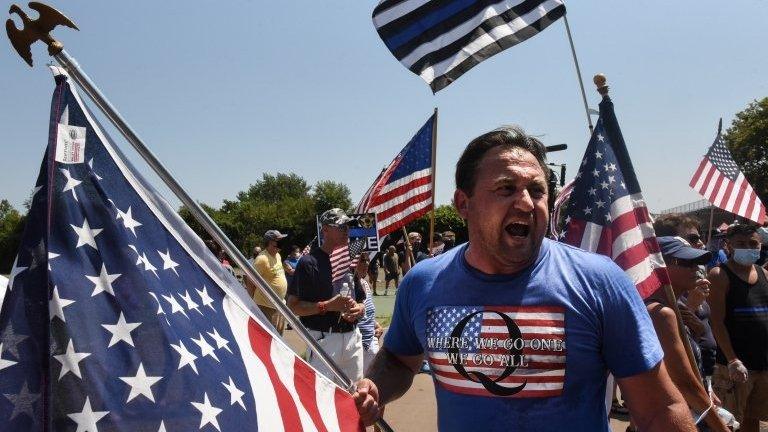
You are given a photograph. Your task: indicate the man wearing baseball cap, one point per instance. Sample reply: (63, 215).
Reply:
(328, 313)
(269, 264)
(683, 263)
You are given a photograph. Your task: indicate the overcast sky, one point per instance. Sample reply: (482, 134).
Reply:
(226, 91)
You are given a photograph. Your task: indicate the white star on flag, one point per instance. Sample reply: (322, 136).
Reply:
(168, 263)
(90, 165)
(208, 411)
(70, 361)
(205, 348)
(220, 341)
(186, 358)
(86, 235)
(87, 418)
(51, 256)
(15, 270)
(103, 282)
(207, 300)
(121, 331)
(141, 384)
(191, 305)
(57, 304)
(3, 362)
(175, 306)
(72, 183)
(160, 310)
(235, 394)
(128, 220)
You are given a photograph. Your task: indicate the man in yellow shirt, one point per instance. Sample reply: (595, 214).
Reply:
(269, 264)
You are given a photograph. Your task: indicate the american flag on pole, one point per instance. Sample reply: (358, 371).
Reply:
(721, 182)
(463, 344)
(607, 213)
(119, 318)
(403, 191)
(441, 40)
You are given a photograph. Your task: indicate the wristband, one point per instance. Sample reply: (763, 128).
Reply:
(322, 307)
(733, 361)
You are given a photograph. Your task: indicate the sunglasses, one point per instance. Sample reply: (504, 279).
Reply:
(692, 238)
(680, 262)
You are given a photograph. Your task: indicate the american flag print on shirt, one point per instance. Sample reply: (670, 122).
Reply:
(498, 351)
(120, 318)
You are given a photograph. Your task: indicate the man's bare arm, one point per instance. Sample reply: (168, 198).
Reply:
(388, 377)
(654, 402)
(303, 308)
(717, 294)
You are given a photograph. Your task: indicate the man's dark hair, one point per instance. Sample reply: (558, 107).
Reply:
(672, 223)
(506, 136)
(740, 229)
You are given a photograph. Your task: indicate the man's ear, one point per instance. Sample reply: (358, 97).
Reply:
(461, 201)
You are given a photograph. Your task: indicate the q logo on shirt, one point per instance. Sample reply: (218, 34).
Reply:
(491, 384)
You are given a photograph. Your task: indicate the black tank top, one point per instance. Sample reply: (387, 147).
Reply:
(746, 319)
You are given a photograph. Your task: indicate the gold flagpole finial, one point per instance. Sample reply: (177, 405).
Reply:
(600, 82)
(35, 30)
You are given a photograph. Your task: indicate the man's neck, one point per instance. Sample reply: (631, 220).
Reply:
(739, 268)
(491, 266)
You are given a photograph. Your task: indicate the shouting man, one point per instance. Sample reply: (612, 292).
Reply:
(520, 331)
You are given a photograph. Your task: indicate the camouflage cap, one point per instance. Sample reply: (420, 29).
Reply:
(335, 217)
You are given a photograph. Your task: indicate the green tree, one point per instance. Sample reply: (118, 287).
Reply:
(747, 138)
(329, 194)
(11, 230)
(446, 219)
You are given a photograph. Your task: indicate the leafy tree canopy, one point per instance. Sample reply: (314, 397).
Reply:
(747, 138)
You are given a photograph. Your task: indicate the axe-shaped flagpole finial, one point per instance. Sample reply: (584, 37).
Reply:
(35, 30)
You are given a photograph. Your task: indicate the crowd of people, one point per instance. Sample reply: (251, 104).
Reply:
(694, 357)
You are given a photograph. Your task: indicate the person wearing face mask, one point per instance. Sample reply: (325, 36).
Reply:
(739, 302)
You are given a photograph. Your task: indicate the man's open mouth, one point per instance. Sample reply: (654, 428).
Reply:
(517, 229)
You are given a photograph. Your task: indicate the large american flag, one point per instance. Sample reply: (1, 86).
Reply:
(533, 360)
(607, 213)
(721, 182)
(441, 40)
(119, 318)
(403, 191)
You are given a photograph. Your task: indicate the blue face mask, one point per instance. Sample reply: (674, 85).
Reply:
(746, 256)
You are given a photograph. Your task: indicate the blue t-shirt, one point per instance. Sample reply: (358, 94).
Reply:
(523, 352)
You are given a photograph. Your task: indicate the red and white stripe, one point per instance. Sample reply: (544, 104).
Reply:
(289, 395)
(544, 374)
(340, 262)
(398, 202)
(629, 240)
(734, 196)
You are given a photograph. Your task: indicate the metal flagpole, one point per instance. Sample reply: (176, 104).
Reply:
(434, 174)
(578, 72)
(56, 49)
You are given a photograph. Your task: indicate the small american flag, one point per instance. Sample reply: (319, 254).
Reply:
(607, 213)
(403, 191)
(120, 318)
(721, 182)
(519, 348)
(344, 258)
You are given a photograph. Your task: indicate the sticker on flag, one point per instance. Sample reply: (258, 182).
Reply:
(366, 230)
(498, 351)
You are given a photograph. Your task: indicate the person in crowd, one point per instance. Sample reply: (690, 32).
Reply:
(449, 240)
(329, 315)
(224, 260)
(290, 263)
(256, 252)
(370, 329)
(391, 268)
(682, 263)
(692, 303)
(739, 301)
(417, 247)
(510, 277)
(269, 265)
(437, 246)
(716, 245)
(373, 272)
